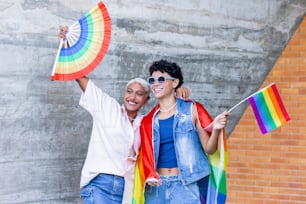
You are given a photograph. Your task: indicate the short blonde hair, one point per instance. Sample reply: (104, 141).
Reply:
(142, 82)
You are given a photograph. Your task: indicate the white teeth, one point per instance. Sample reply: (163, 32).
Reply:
(157, 90)
(132, 103)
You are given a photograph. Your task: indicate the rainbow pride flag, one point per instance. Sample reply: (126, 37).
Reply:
(268, 109)
(145, 162)
(139, 182)
(216, 193)
(144, 169)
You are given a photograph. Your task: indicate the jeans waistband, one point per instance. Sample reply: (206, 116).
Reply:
(113, 175)
(169, 178)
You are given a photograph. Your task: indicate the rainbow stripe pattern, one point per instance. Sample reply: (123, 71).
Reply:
(216, 193)
(139, 182)
(145, 162)
(88, 39)
(268, 109)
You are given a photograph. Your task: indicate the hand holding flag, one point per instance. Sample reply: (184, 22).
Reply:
(270, 113)
(220, 121)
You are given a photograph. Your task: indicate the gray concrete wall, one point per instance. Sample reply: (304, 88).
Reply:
(225, 48)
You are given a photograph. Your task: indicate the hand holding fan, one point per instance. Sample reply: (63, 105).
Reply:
(88, 41)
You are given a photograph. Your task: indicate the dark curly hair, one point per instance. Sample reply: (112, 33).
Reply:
(171, 68)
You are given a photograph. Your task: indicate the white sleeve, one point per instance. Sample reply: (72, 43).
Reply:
(93, 99)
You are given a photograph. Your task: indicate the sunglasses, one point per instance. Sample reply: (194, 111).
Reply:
(161, 79)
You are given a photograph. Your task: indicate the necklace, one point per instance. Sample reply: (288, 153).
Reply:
(167, 110)
(131, 118)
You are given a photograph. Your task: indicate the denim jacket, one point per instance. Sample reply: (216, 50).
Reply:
(192, 161)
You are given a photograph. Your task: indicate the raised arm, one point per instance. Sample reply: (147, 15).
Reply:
(83, 81)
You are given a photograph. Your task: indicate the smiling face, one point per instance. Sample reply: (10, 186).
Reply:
(163, 89)
(135, 96)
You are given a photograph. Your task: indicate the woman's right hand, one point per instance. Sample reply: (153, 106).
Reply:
(62, 33)
(154, 182)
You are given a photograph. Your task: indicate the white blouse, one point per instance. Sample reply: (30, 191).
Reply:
(114, 142)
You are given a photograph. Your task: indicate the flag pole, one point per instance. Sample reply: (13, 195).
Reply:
(57, 56)
(243, 100)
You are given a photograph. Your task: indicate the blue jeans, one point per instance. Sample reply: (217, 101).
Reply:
(172, 191)
(103, 189)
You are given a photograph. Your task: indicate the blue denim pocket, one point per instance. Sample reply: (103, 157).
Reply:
(87, 195)
(103, 189)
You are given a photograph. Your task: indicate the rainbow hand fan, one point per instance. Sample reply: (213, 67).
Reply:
(88, 41)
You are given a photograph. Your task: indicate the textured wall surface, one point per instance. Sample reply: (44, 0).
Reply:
(225, 48)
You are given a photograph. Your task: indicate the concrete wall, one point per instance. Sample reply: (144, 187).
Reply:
(226, 49)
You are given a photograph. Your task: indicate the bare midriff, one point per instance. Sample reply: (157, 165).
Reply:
(168, 171)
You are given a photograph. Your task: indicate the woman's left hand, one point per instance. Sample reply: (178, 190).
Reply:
(220, 120)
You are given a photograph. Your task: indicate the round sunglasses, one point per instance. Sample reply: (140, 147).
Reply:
(161, 79)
